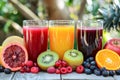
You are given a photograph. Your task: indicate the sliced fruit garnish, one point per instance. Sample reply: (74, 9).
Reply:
(13, 39)
(47, 59)
(73, 57)
(108, 59)
(13, 56)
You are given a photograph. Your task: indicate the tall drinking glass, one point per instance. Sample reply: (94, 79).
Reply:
(35, 37)
(89, 37)
(61, 35)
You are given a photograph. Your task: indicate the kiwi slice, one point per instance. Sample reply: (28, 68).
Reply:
(73, 57)
(47, 59)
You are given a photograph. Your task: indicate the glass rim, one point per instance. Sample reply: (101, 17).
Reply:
(61, 21)
(89, 20)
(35, 23)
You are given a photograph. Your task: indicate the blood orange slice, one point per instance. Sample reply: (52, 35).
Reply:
(13, 56)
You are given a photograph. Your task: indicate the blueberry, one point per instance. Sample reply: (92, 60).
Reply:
(1, 69)
(84, 63)
(87, 60)
(88, 71)
(111, 73)
(87, 65)
(92, 67)
(97, 72)
(7, 71)
(93, 63)
(103, 69)
(118, 72)
(105, 73)
(91, 58)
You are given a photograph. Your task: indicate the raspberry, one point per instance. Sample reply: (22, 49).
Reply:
(64, 63)
(51, 70)
(63, 70)
(58, 63)
(29, 64)
(80, 69)
(34, 69)
(69, 69)
(57, 71)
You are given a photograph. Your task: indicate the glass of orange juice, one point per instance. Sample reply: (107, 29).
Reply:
(61, 35)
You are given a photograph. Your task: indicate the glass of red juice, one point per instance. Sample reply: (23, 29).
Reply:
(36, 37)
(89, 37)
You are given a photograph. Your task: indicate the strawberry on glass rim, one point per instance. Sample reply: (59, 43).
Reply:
(114, 45)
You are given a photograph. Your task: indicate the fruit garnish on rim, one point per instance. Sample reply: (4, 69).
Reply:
(108, 59)
(114, 45)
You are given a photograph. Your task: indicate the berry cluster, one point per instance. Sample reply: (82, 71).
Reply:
(29, 66)
(91, 67)
(5, 70)
(61, 67)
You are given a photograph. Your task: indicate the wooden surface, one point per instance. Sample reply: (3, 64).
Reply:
(76, 76)
(39, 76)
(46, 76)
(4, 76)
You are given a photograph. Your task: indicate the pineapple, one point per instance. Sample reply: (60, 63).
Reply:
(111, 16)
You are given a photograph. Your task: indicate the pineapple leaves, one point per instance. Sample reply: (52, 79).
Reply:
(111, 17)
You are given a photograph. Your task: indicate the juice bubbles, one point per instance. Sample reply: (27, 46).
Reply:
(36, 38)
(61, 37)
(89, 39)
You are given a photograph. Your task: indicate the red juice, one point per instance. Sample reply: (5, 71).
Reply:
(89, 41)
(36, 39)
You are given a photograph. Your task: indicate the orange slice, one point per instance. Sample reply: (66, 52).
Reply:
(108, 59)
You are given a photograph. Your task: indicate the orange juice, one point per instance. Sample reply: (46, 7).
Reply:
(61, 39)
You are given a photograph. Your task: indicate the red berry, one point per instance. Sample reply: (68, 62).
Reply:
(27, 69)
(51, 70)
(22, 70)
(80, 69)
(64, 63)
(29, 63)
(57, 71)
(34, 69)
(69, 69)
(63, 70)
(58, 63)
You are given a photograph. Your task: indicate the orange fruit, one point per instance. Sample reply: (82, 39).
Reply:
(11, 39)
(13, 56)
(108, 59)
(0, 52)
